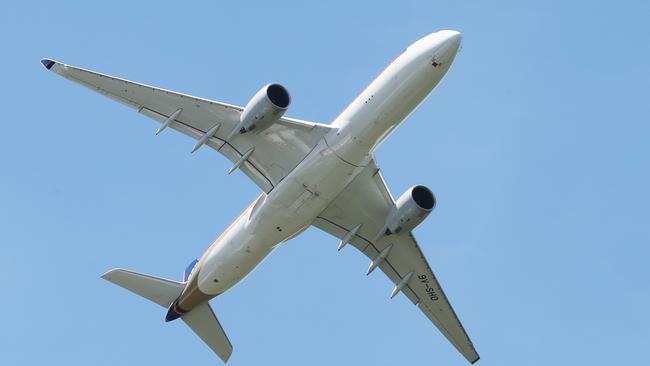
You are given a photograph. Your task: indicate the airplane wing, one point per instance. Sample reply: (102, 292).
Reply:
(367, 201)
(277, 149)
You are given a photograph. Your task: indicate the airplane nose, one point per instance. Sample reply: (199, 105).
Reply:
(449, 43)
(451, 40)
(453, 37)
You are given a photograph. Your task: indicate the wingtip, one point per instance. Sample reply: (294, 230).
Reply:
(476, 360)
(107, 275)
(47, 63)
(225, 357)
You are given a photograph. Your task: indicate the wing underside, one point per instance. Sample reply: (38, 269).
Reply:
(367, 201)
(277, 149)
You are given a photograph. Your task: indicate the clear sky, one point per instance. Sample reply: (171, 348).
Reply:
(537, 145)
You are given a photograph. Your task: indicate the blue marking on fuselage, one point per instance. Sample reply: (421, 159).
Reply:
(188, 270)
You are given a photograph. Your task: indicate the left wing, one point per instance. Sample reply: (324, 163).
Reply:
(367, 201)
(277, 149)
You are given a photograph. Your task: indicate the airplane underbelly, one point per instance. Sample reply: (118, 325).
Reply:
(287, 210)
(235, 255)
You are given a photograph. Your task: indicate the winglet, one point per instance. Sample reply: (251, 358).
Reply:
(48, 63)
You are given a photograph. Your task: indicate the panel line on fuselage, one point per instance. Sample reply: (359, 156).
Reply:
(338, 156)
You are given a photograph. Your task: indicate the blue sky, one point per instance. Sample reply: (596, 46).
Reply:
(536, 145)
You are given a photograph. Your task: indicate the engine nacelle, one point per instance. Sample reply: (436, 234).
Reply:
(266, 107)
(410, 210)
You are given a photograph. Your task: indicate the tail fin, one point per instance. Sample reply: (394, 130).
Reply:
(159, 290)
(206, 325)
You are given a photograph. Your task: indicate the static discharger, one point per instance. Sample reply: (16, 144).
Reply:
(169, 121)
(350, 234)
(205, 137)
(380, 258)
(401, 284)
(241, 160)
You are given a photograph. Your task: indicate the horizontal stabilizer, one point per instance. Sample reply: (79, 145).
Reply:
(159, 290)
(205, 324)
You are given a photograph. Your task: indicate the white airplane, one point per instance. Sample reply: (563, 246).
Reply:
(310, 174)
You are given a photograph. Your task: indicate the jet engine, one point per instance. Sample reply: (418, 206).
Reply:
(411, 208)
(266, 107)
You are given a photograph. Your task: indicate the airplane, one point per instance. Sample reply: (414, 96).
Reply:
(310, 174)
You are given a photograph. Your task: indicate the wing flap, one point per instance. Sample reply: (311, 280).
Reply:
(253, 168)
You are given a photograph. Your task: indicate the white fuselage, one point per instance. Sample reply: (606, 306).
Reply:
(294, 204)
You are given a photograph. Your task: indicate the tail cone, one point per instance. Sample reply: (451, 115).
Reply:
(174, 312)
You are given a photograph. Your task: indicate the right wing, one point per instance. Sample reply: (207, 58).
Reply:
(367, 201)
(278, 148)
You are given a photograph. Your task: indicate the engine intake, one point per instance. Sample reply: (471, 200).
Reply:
(266, 107)
(411, 208)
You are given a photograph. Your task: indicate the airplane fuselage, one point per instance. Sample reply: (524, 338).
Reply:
(294, 204)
